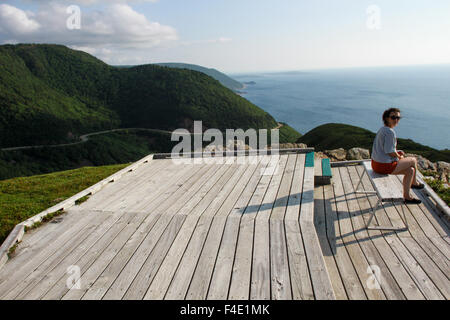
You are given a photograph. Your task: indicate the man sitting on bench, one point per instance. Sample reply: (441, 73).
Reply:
(387, 160)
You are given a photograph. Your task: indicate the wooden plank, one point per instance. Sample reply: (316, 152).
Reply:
(322, 205)
(260, 206)
(279, 268)
(24, 277)
(49, 235)
(317, 167)
(260, 277)
(418, 274)
(163, 277)
(348, 274)
(220, 279)
(351, 245)
(137, 177)
(159, 196)
(323, 289)
(388, 287)
(53, 252)
(161, 193)
(136, 194)
(399, 273)
(16, 237)
(238, 198)
(309, 161)
(384, 184)
(151, 223)
(146, 274)
(96, 269)
(429, 266)
(433, 229)
(428, 238)
(421, 280)
(326, 168)
(107, 230)
(182, 278)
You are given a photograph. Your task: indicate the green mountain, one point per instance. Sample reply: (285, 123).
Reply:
(51, 94)
(336, 135)
(221, 77)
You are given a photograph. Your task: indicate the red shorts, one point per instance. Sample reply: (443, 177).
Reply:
(384, 168)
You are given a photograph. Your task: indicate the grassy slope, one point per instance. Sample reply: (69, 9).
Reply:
(288, 134)
(22, 198)
(334, 135)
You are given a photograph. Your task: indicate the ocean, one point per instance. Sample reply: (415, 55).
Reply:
(358, 96)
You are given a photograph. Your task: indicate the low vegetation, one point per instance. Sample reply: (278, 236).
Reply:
(22, 198)
(440, 189)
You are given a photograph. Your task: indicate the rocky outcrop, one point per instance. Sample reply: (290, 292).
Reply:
(336, 154)
(439, 170)
(358, 154)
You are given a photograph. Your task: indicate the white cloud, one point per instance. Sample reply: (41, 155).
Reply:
(91, 2)
(117, 25)
(15, 21)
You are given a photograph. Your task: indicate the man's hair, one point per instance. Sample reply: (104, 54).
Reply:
(387, 113)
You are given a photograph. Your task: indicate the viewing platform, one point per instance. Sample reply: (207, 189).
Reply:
(232, 230)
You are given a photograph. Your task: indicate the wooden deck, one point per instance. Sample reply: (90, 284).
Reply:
(410, 265)
(230, 231)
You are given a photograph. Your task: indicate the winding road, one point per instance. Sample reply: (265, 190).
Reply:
(84, 138)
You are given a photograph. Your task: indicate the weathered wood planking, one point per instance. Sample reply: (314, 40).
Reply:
(239, 198)
(53, 252)
(110, 193)
(420, 278)
(95, 267)
(384, 184)
(52, 231)
(323, 289)
(327, 237)
(104, 260)
(298, 265)
(259, 208)
(279, 264)
(347, 210)
(221, 277)
(182, 278)
(260, 278)
(351, 281)
(159, 196)
(213, 231)
(388, 288)
(395, 282)
(163, 277)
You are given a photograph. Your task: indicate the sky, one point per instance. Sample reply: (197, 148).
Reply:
(238, 36)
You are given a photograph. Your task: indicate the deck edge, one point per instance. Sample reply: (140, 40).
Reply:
(16, 235)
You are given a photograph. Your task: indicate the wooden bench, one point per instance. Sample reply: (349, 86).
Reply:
(322, 172)
(388, 189)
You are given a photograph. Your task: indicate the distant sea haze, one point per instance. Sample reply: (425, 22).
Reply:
(358, 97)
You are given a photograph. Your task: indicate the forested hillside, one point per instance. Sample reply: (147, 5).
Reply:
(52, 94)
